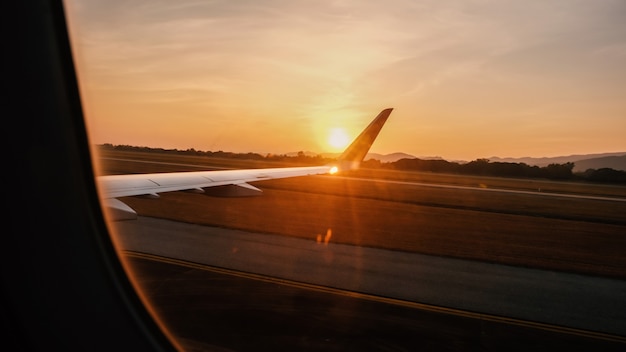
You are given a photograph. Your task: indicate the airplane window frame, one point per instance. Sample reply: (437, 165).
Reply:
(63, 285)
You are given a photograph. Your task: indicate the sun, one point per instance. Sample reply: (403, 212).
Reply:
(338, 138)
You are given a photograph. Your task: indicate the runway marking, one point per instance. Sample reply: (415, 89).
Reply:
(501, 190)
(398, 302)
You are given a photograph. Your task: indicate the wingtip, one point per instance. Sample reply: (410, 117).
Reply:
(355, 153)
(386, 112)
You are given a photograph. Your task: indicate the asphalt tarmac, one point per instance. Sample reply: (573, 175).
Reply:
(529, 297)
(210, 309)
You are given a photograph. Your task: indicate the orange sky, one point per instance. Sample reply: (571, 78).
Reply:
(466, 79)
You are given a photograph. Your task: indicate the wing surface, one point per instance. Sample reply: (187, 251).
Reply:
(230, 182)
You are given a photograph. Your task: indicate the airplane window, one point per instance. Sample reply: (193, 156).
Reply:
(363, 176)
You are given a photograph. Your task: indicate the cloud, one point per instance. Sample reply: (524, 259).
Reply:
(311, 60)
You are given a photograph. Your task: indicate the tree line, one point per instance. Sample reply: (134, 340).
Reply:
(484, 167)
(299, 158)
(478, 167)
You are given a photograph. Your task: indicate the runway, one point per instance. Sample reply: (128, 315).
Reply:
(498, 190)
(569, 300)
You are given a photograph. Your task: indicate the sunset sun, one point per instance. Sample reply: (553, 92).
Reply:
(338, 139)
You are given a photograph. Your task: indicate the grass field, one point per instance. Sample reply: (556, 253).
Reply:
(566, 234)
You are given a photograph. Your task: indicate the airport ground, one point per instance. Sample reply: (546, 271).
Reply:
(564, 227)
(209, 310)
(530, 223)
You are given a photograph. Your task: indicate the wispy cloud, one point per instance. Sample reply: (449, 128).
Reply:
(453, 63)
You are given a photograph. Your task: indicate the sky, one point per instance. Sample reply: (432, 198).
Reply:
(466, 79)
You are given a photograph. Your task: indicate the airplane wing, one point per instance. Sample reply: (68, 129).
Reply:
(229, 183)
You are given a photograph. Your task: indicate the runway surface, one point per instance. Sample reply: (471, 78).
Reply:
(498, 190)
(569, 300)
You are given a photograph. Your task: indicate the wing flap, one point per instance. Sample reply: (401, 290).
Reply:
(118, 210)
(236, 190)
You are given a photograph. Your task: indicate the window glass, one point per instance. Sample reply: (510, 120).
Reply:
(496, 191)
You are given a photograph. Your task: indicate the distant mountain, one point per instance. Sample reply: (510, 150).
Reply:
(388, 158)
(566, 159)
(612, 162)
(616, 161)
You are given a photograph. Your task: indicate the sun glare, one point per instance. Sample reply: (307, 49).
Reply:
(338, 138)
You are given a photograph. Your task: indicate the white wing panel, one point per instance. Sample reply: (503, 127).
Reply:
(132, 185)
